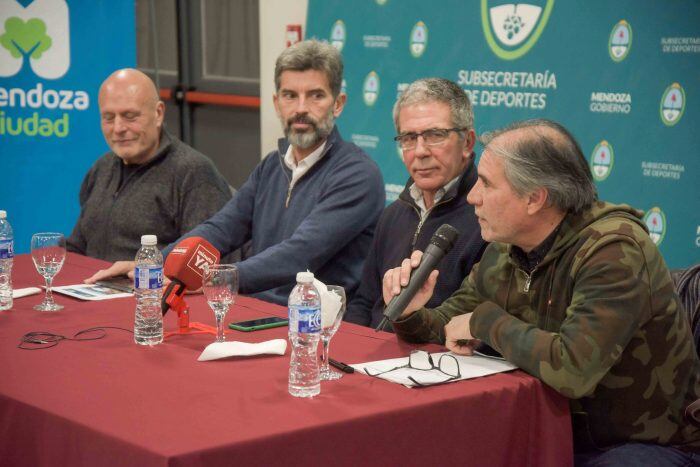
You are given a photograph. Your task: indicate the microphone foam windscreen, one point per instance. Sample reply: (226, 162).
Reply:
(186, 261)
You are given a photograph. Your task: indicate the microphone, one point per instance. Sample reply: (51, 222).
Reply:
(184, 266)
(440, 244)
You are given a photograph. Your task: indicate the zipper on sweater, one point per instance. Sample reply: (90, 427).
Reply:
(289, 195)
(422, 220)
(289, 190)
(528, 280)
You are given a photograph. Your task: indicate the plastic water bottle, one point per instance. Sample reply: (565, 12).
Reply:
(148, 285)
(6, 255)
(304, 332)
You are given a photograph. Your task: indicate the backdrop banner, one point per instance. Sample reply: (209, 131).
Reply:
(623, 78)
(53, 56)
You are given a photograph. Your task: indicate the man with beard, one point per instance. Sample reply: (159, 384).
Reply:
(311, 205)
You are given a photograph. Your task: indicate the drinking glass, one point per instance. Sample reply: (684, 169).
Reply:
(329, 325)
(48, 254)
(220, 284)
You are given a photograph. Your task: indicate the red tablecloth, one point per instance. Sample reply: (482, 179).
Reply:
(112, 402)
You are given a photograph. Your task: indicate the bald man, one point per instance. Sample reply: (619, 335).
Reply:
(148, 183)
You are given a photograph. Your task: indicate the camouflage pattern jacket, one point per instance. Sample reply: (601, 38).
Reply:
(598, 320)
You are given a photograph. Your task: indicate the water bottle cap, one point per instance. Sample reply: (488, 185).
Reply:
(305, 277)
(3, 215)
(149, 240)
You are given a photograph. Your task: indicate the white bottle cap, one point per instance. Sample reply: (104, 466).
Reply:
(149, 240)
(3, 215)
(305, 277)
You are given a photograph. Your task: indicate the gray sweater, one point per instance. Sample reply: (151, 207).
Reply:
(167, 196)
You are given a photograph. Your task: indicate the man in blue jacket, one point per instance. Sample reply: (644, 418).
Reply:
(312, 204)
(434, 122)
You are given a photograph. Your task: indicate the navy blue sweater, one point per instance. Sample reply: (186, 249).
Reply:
(326, 226)
(399, 233)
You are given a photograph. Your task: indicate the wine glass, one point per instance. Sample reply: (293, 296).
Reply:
(220, 284)
(330, 322)
(48, 253)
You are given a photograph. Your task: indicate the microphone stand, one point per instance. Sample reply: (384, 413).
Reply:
(173, 297)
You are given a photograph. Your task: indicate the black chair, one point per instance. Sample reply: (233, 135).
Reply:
(687, 283)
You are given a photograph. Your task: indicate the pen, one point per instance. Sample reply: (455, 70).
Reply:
(341, 366)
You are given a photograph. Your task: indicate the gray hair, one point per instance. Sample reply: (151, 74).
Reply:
(547, 156)
(437, 90)
(312, 55)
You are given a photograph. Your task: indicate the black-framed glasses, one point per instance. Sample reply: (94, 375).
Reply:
(431, 137)
(421, 360)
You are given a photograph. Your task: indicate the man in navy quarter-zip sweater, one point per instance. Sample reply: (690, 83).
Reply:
(434, 121)
(312, 204)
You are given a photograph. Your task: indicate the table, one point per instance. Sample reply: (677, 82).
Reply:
(111, 402)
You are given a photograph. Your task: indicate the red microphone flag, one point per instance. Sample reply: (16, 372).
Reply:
(185, 263)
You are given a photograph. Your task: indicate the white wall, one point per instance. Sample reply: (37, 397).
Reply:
(275, 15)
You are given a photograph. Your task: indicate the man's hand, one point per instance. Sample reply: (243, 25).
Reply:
(396, 278)
(119, 268)
(458, 335)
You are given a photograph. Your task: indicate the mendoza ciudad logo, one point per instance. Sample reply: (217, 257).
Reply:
(512, 29)
(35, 37)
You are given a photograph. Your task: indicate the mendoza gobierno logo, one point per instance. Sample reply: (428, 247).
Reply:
(35, 35)
(512, 29)
(602, 161)
(338, 35)
(656, 223)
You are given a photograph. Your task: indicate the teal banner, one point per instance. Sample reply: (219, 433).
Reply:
(624, 78)
(54, 54)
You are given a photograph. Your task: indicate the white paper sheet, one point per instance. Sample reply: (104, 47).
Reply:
(469, 367)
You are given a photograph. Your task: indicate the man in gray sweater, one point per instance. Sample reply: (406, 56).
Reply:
(149, 183)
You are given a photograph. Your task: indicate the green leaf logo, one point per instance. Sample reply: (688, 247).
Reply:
(28, 38)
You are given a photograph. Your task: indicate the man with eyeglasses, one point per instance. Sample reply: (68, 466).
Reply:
(573, 291)
(434, 122)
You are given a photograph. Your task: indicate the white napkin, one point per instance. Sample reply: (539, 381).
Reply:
(19, 293)
(242, 349)
(330, 304)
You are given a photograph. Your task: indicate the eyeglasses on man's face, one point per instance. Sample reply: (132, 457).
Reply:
(431, 137)
(421, 360)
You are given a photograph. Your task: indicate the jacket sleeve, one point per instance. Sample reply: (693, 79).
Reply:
(229, 228)
(352, 203)
(428, 324)
(610, 301)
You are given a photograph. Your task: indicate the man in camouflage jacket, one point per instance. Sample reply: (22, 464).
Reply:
(574, 292)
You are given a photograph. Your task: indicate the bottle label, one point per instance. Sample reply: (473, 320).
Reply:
(148, 278)
(306, 320)
(6, 249)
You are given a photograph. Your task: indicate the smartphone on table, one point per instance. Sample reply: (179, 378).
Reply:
(259, 323)
(121, 283)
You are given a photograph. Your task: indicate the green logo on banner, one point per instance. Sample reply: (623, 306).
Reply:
(512, 29)
(656, 223)
(28, 38)
(419, 39)
(338, 35)
(672, 104)
(620, 41)
(602, 161)
(370, 89)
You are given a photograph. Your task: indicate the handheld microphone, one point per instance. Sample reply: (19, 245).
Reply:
(440, 244)
(184, 266)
